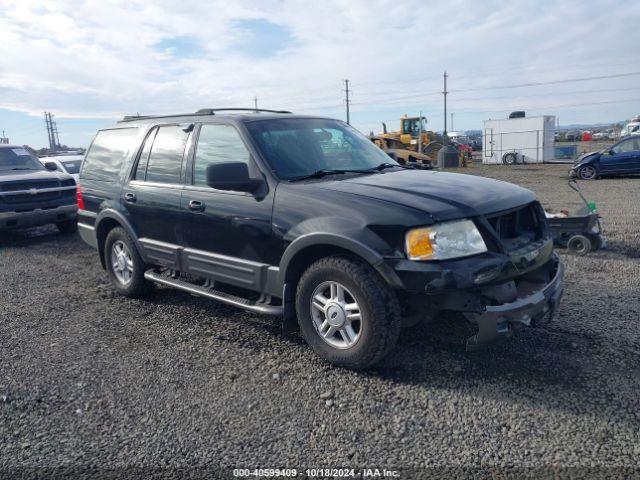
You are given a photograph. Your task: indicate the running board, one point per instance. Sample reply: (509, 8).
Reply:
(233, 300)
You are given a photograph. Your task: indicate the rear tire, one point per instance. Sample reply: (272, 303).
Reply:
(67, 226)
(365, 296)
(125, 265)
(579, 245)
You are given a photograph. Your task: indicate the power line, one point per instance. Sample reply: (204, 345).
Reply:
(390, 100)
(549, 107)
(552, 82)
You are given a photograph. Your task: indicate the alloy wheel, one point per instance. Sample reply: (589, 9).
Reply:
(587, 172)
(121, 262)
(336, 315)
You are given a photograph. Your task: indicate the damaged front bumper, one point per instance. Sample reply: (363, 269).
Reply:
(496, 292)
(533, 301)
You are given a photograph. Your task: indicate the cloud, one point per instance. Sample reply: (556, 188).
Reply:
(98, 59)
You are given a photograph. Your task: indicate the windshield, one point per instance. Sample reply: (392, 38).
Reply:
(298, 147)
(18, 159)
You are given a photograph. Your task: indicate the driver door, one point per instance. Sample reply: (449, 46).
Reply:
(226, 234)
(622, 158)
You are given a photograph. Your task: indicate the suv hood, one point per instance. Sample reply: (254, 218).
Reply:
(13, 175)
(443, 195)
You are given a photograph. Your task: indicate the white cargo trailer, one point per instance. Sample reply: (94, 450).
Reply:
(530, 137)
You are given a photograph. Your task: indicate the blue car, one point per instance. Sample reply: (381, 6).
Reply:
(621, 158)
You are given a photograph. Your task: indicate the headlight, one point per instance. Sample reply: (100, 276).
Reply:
(455, 239)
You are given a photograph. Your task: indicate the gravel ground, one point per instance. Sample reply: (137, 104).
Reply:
(100, 383)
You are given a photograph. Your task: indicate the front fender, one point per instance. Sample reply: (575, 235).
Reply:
(371, 256)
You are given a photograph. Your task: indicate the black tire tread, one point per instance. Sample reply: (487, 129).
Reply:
(379, 297)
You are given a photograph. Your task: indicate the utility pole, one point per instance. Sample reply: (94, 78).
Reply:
(255, 103)
(346, 91)
(420, 132)
(444, 133)
(52, 132)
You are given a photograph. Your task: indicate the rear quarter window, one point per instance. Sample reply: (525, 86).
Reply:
(107, 153)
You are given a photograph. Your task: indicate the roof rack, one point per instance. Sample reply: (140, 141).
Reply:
(202, 111)
(211, 111)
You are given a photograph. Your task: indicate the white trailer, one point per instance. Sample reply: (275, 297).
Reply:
(530, 137)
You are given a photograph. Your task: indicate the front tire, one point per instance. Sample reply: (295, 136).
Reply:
(587, 172)
(125, 265)
(347, 313)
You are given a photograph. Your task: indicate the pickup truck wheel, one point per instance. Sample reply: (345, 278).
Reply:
(68, 226)
(347, 313)
(124, 264)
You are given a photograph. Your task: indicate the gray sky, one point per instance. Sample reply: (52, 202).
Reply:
(92, 62)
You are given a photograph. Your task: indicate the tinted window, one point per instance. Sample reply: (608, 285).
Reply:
(165, 159)
(217, 144)
(108, 151)
(629, 145)
(141, 169)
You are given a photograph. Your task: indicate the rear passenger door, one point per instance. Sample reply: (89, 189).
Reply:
(152, 194)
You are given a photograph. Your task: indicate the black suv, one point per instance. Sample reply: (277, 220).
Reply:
(32, 194)
(305, 218)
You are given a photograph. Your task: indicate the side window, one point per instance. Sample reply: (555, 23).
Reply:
(626, 146)
(217, 144)
(165, 159)
(107, 153)
(141, 169)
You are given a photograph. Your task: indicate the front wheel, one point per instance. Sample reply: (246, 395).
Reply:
(347, 313)
(587, 172)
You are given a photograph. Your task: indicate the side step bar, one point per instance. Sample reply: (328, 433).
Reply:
(233, 300)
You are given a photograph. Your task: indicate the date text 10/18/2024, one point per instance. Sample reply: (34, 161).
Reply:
(316, 472)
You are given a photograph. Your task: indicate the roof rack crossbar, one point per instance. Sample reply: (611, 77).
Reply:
(211, 111)
(202, 111)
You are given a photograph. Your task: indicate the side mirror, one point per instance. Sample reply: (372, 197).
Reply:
(51, 166)
(611, 152)
(231, 176)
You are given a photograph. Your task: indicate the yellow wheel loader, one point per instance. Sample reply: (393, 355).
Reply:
(413, 144)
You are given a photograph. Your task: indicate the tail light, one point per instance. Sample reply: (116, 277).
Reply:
(79, 198)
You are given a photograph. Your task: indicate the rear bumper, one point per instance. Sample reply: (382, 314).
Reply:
(37, 217)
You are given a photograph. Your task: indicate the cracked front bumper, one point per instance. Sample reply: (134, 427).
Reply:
(534, 303)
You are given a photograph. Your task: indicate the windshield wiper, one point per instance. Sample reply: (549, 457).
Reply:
(328, 171)
(21, 168)
(382, 166)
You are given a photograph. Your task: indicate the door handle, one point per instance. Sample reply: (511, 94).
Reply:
(196, 206)
(130, 197)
